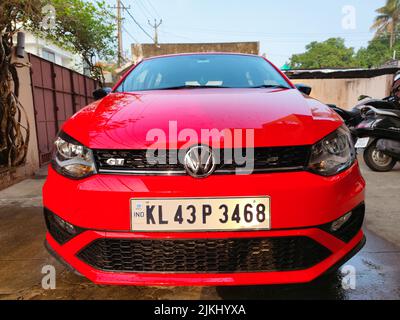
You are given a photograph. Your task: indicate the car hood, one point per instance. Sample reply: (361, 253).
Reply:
(279, 117)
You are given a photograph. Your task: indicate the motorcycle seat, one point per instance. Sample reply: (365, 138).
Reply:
(352, 113)
(379, 104)
(348, 113)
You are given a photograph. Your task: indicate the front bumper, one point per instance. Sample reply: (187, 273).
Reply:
(342, 253)
(302, 204)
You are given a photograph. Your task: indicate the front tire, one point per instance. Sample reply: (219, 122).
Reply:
(378, 161)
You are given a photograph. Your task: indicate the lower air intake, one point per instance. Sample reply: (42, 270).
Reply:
(204, 255)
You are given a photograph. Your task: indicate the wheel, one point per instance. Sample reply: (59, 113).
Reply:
(378, 161)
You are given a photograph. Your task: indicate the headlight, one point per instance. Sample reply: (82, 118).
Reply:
(72, 159)
(333, 154)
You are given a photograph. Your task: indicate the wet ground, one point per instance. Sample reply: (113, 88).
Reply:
(22, 256)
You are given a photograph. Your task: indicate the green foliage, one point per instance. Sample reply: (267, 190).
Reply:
(334, 54)
(19, 11)
(376, 53)
(87, 28)
(81, 26)
(388, 20)
(327, 54)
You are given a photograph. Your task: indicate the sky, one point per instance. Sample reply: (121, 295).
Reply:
(283, 27)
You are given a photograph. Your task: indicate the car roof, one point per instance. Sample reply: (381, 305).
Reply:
(202, 53)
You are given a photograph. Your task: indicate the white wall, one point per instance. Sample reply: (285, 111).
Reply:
(345, 92)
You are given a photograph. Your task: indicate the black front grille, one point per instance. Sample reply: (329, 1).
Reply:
(274, 158)
(263, 160)
(204, 255)
(135, 160)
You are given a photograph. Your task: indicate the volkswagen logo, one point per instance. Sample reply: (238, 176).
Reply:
(199, 161)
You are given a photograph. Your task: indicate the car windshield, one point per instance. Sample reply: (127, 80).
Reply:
(202, 71)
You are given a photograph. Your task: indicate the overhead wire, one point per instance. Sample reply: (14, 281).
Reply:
(138, 24)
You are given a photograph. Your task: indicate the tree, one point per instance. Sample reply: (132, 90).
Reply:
(83, 27)
(87, 28)
(388, 20)
(14, 127)
(375, 54)
(331, 53)
(318, 56)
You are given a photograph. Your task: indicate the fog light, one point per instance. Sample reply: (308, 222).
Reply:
(336, 225)
(67, 227)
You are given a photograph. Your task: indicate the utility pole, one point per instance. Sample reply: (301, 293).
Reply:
(155, 27)
(119, 30)
(120, 7)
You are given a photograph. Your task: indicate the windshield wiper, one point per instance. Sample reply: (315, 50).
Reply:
(190, 87)
(274, 86)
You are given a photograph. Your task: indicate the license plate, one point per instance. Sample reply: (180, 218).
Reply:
(362, 143)
(197, 214)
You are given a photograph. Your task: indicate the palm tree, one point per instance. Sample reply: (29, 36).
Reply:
(388, 20)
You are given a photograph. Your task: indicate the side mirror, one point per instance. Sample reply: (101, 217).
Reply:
(303, 88)
(101, 93)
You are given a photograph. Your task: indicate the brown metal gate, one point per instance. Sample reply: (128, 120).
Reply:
(58, 93)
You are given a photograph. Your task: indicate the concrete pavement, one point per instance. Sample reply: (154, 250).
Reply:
(22, 256)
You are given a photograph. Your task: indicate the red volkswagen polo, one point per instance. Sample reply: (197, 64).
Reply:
(204, 169)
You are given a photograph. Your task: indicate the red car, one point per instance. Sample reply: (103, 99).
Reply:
(204, 169)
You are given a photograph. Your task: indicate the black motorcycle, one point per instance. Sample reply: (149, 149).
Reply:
(379, 135)
(353, 117)
(375, 127)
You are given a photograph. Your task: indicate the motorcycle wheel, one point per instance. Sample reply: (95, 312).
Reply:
(378, 161)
